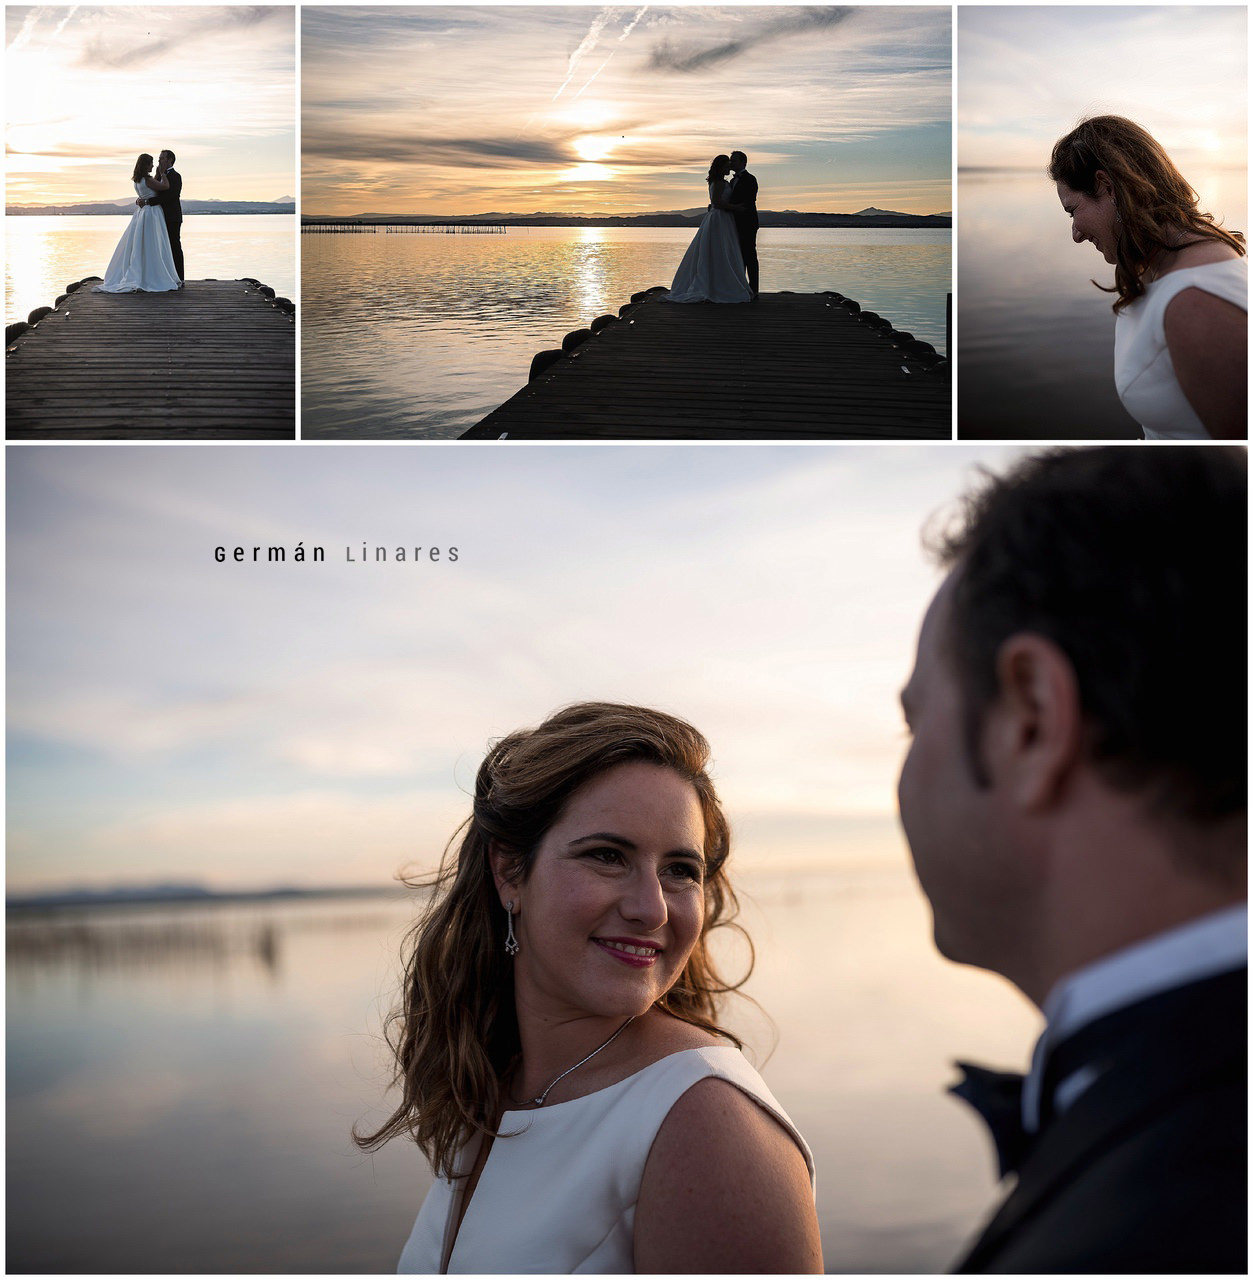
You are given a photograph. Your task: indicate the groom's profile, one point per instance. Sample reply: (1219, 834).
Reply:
(744, 192)
(1075, 801)
(172, 208)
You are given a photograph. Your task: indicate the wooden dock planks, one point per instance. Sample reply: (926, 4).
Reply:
(788, 366)
(214, 360)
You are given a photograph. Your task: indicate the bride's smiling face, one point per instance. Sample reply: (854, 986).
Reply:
(614, 901)
(1092, 218)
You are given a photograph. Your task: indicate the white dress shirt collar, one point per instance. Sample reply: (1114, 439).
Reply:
(1214, 944)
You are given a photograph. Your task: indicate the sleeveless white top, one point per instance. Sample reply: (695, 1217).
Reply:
(1143, 371)
(558, 1195)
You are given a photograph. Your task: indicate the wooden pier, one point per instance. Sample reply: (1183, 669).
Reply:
(214, 360)
(788, 366)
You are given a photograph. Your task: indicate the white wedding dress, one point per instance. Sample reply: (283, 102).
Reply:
(712, 269)
(557, 1195)
(142, 261)
(1143, 372)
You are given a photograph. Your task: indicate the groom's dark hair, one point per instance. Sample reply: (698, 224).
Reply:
(168, 152)
(1133, 562)
(738, 155)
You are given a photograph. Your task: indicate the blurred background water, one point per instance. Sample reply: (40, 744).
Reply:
(1035, 338)
(183, 1079)
(419, 334)
(44, 254)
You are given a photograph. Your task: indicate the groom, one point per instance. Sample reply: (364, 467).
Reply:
(172, 208)
(1075, 803)
(744, 192)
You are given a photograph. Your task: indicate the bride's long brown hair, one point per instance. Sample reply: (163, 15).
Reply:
(143, 167)
(1151, 195)
(455, 1034)
(718, 167)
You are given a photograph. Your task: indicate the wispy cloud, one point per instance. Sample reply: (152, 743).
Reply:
(110, 53)
(691, 56)
(89, 87)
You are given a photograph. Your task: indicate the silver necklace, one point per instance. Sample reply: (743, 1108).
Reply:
(539, 1102)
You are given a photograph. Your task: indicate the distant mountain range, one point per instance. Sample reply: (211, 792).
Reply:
(285, 205)
(666, 218)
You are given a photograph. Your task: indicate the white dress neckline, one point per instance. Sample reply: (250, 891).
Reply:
(558, 1190)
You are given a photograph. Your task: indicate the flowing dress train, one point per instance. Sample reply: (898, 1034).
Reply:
(142, 261)
(712, 269)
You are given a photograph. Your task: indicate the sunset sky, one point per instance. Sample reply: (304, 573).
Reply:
(89, 88)
(174, 718)
(619, 110)
(1028, 75)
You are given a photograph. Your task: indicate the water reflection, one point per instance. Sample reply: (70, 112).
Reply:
(1036, 356)
(192, 1095)
(425, 335)
(44, 254)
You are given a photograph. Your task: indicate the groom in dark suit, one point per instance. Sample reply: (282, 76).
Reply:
(172, 208)
(1075, 803)
(744, 192)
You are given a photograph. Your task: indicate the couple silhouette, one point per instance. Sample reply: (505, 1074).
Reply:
(720, 264)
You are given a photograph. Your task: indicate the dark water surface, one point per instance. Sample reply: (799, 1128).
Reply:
(182, 1081)
(416, 334)
(1035, 339)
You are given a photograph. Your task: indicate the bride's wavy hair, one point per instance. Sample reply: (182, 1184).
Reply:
(718, 167)
(455, 1034)
(143, 167)
(1151, 195)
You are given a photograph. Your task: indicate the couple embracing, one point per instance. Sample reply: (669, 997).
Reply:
(149, 256)
(720, 264)
(1074, 799)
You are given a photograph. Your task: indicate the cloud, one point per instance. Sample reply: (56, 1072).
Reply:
(399, 147)
(65, 150)
(587, 44)
(116, 55)
(668, 56)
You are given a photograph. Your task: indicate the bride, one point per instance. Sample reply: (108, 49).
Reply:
(1182, 280)
(142, 261)
(712, 269)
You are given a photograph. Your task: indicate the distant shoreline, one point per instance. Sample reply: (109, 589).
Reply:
(231, 207)
(767, 219)
(184, 895)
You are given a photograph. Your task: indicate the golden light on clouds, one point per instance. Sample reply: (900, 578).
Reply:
(518, 105)
(87, 89)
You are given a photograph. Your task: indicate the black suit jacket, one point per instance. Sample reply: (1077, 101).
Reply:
(745, 193)
(169, 200)
(1147, 1171)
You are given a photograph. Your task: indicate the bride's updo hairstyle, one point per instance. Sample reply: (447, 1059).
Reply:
(718, 167)
(143, 167)
(455, 1035)
(1151, 195)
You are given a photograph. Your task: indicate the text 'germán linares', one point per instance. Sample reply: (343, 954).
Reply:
(352, 554)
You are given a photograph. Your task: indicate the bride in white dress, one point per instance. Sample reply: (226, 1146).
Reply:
(559, 1042)
(712, 269)
(1182, 280)
(142, 261)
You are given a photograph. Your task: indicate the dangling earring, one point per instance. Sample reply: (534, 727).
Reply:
(511, 943)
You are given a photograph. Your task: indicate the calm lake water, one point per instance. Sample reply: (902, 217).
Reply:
(1035, 339)
(43, 255)
(419, 334)
(182, 1081)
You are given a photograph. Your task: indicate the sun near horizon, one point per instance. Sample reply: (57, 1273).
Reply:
(463, 112)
